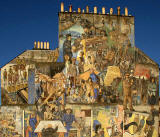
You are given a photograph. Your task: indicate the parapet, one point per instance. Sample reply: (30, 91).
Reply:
(95, 10)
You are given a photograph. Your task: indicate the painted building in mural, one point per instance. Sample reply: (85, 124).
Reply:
(97, 83)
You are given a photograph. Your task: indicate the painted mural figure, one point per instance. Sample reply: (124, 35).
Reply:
(118, 88)
(144, 88)
(127, 92)
(38, 89)
(15, 75)
(10, 76)
(48, 113)
(73, 72)
(25, 75)
(68, 120)
(67, 64)
(90, 91)
(82, 90)
(56, 113)
(81, 65)
(67, 46)
(95, 81)
(22, 67)
(40, 109)
(152, 89)
(80, 126)
(74, 51)
(5, 77)
(33, 122)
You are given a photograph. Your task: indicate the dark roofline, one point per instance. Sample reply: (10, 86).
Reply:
(13, 59)
(146, 55)
(91, 13)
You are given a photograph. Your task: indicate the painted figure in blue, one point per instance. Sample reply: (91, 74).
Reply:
(33, 124)
(56, 113)
(94, 78)
(68, 119)
(67, 46)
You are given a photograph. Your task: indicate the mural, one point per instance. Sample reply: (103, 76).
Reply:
(96, 84)
(102, 64)
(68, 121)
(11, 122)
(146, 74)
(107, 121)
(140, 125)
(98, 51)
(15, 75)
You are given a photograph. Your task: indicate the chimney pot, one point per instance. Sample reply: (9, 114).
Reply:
(111, 11)
(103, 10)
(41, 45)
(87, 9)
(62, 7)
(126, 11)
(45, 45)
(118, 10)
(35, 45)
(38, 45)
(95, 10)
(70, 8)
(79, 10)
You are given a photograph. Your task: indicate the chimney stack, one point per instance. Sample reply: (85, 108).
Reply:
(95, 10)
(118, 10)
(41, 45)
(38, 45)
(103, 10)
(35, 45)
(47, 45)
(62, 7)
(126, 11)
(70, 8)
(111, 11)
(87, 9)
(79, 10)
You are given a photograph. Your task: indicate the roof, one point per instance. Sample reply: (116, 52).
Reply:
(142, 53)
(32, 56)
(91, 13)
(13, 58)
